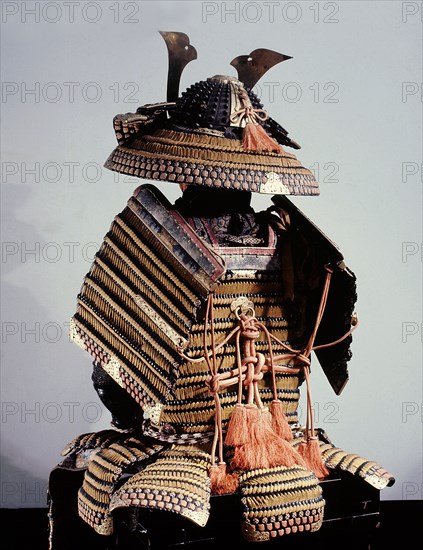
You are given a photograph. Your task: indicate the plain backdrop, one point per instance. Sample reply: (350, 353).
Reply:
(351, 96)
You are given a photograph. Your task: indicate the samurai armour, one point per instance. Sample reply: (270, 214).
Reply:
(200, 319)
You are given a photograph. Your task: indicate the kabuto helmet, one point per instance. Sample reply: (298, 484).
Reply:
(216, 134)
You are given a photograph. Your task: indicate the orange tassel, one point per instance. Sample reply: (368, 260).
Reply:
(255, 138)
(254, 448)
(263, 426)
(246, 457)
(285, 455)
(279, 422)
(221, 481)
(278, 451)
(251, 455)
(310, 451)
(264, 448)
(264, 439)
(237, 433)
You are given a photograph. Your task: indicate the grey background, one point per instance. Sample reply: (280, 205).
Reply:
(351, 96)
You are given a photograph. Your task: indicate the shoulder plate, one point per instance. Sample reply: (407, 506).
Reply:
(141, 295)
(341, 299)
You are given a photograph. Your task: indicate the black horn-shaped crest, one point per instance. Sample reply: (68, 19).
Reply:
(252, 67)
(180, 54)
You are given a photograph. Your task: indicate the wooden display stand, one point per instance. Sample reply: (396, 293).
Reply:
(351, 521)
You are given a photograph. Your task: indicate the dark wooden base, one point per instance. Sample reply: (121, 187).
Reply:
(355, 519)
(352, 512)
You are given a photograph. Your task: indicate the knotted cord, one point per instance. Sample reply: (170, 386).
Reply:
(247, 112)
(251, 365)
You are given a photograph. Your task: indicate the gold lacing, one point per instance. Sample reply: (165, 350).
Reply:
(253, 365)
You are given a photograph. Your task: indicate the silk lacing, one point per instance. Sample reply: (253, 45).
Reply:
(251, 365)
